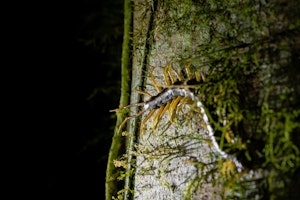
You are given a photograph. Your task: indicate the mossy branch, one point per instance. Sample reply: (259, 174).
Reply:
(118, 142)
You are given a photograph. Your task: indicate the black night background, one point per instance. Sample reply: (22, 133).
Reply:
(76, 75)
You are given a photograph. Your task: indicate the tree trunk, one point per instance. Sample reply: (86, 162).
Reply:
(239, 59)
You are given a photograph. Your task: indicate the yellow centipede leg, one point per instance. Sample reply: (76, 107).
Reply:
(169, 69)
(154, 120)
(166, 75)
(145, 120)
(198, 76)
(179, 76)
(166, 107)
(203, 124)
(183, 102)
(229, 136)
(128, 118)
(188, 70)
(156, 85)
(172, 109)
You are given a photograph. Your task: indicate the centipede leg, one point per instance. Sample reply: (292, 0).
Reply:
(168, 72)
(156, 85)
(172, 109)
(166, 75)
(170, 69)
(188, 70)
(184, 101)
(198, 76)
(130, 117)
(154, 120)
(162, 114)
(145, 120)
(203, 75)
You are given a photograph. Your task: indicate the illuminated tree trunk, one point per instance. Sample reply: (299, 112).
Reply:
(244, 57)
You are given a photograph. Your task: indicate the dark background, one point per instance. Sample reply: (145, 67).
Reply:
(73, 51)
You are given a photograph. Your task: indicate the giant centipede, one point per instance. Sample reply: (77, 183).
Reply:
(166, 96)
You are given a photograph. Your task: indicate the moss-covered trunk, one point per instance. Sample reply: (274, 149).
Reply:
(240, 59)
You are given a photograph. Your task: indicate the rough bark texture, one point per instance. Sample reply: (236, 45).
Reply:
(245, 52)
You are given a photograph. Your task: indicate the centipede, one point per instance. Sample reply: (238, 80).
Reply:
(168, 98)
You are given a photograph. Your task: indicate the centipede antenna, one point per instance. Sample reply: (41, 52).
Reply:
(145, 93)
(128, 106)
(135, 105)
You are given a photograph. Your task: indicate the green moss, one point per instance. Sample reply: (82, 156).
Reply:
(119, 143)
